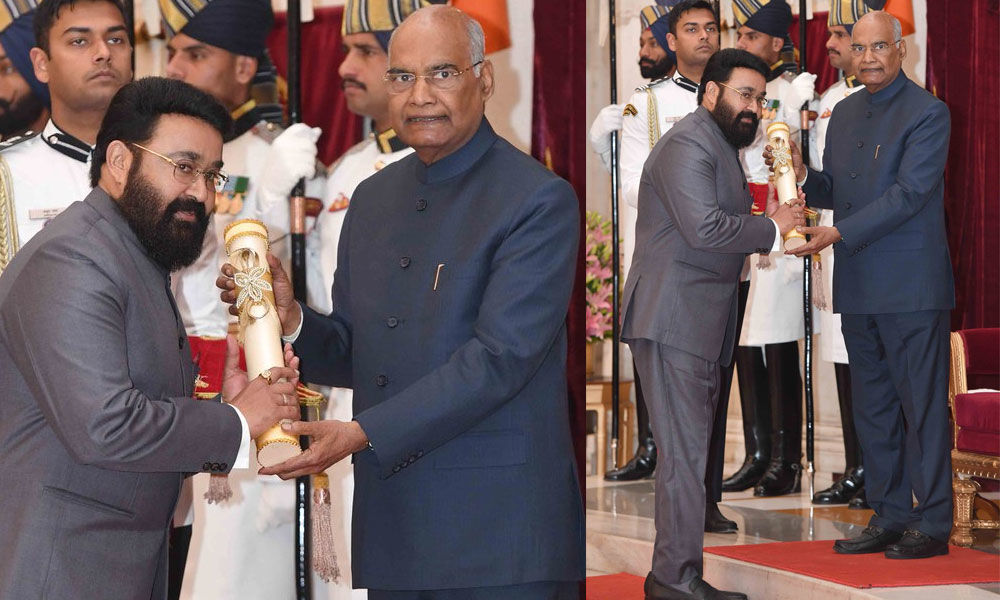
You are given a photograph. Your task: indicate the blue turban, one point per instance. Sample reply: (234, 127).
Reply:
(18, 39)
(238, 26)
(660, 28)
(772, 17)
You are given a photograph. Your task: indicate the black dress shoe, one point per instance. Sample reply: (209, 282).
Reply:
(700, 590)
(859, 501)
(872, 539)
(716, 522)
(642, 465)
(782, 477)
(747, 476)
(916, 544)
(842, 490)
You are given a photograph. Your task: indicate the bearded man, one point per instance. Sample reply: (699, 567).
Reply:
(693, 234)
(97, 424)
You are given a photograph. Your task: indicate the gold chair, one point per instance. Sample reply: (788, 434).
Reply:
(975, 364)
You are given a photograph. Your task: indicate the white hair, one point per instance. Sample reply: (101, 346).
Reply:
(474, 33)
(897, 27)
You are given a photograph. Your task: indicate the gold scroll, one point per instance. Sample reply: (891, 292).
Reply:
(259, 327)
(784, 176)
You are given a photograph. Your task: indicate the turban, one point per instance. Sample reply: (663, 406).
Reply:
(18, 38)
(660, 28)
(238, 26)
(379, 17)
(772, 17)
(650, 14)
(846, 13)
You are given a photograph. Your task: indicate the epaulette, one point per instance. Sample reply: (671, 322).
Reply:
(653, 83)
(10, 143)
(267, 131)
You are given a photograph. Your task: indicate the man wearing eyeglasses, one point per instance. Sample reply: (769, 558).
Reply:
(98, 427)
(771, 395)
(220, 47)
(453, 280)
(883, 176)
(83, 54)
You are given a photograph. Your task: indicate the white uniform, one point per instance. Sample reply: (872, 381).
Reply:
(774, 307)
(243, 547)
(831, 343)
(650, 112)
(40, 176)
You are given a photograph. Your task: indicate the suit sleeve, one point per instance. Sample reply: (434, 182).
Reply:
(521, 318)
(635, 148)
(684, 179)
(920, 171)
(70, 328)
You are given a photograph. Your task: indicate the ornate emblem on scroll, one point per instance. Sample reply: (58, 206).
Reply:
(259, 327)
(784, 176)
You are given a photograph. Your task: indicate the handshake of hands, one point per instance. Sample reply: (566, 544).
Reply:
(264, 403)
(792, 215)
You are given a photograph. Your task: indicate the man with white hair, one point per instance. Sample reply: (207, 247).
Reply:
(883, 176)
(454, 274)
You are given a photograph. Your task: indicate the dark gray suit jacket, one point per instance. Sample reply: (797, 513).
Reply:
(883, 176)
(97, 424)
(693, 232)
(461, 389)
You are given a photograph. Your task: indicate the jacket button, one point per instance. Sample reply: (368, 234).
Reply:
(381, 380)
(420, 453)
(861, 144)
(854, 175)
(224, 466)
(868, 114)
(848, 205)
(392, 322)
(404, 262)
(421, 204)
(395, 469)
(206, 467)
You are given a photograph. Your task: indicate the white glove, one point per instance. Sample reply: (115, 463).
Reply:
(291, 157)
(608, 120)
(800, 90)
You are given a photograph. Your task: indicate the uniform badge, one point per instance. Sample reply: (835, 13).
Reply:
(229, 201)
(770, 111)
(826, 114)
(339, 203)
(629, 111)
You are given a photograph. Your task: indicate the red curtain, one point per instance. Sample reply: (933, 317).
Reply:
(323, 103)
(816, 35)
(962, 70)
(558, 139)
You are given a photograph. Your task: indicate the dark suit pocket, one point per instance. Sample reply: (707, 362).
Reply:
(85, 501)
(482, 449)
(698, 268)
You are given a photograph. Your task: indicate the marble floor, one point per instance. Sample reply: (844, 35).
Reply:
(620, 534)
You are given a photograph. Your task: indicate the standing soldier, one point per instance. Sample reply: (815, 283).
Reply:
(83, 53)
(771, 396)
(656, 63)
(24, 101)
(850, 487)
(220, 47)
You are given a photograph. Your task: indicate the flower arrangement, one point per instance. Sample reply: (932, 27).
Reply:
(599, 281)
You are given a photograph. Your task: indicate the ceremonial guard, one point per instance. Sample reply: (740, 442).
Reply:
(220, 47)
(649, 113)
(23, 99)
(40, 175)
(771, 395)
(850, 487)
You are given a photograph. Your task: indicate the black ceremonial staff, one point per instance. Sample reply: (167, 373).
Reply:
(616, 300)
(303, 541)
(807, 280)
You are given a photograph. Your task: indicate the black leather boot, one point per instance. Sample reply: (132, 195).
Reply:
(756, 406)
(643, 464)
(715, 521)
(859, 501)
(843, 489)
(784, 473)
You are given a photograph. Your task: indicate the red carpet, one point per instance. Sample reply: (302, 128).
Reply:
(622, 586)
(817, 559)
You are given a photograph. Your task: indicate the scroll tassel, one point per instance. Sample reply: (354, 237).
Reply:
(818, 290)
(219, 490)
(324, 555)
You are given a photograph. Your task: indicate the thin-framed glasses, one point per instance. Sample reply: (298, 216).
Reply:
(186, 172)
(878, 48)
(442, 79)
(747, 96)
